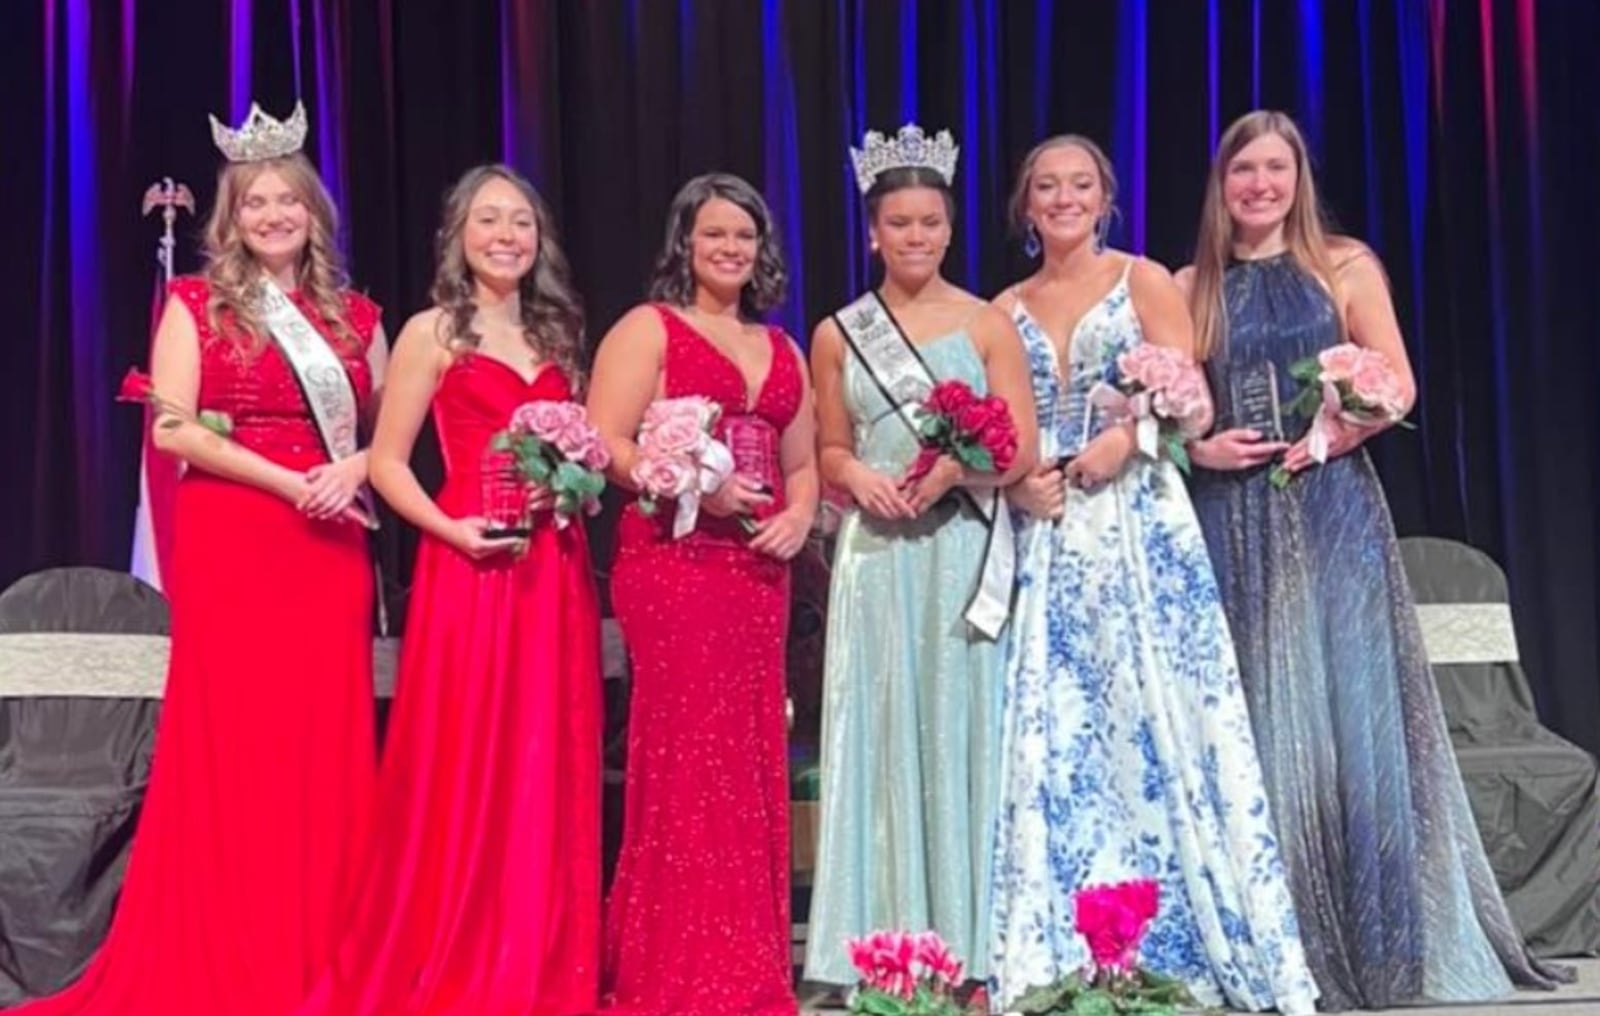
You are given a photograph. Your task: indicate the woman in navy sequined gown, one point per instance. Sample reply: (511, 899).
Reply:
(697, 922)
(1395, 897)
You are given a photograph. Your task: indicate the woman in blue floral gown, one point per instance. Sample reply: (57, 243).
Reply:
(1127, 743)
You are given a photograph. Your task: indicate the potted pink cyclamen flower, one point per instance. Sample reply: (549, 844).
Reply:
(1113, 920)
(906, 974)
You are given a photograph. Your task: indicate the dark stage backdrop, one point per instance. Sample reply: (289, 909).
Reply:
(1458, 137)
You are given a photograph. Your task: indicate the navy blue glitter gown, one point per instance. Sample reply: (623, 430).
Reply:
(1395, 897)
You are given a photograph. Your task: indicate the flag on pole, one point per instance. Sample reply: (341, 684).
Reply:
(158, 471)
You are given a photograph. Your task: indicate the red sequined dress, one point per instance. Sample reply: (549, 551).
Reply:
(481, 895)
(264, 756)
(697, 922)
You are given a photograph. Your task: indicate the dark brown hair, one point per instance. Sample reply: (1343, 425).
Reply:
(905, 178)
(673, 279)
(552, 316)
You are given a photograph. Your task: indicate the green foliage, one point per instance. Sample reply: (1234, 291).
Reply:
(1141, 993)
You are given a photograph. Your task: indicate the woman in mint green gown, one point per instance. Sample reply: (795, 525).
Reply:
(911, 708)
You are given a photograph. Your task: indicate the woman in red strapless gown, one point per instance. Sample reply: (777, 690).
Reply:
(264, 754)
(697, 923)
(481, 896)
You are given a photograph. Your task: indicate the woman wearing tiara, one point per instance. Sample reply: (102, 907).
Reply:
(481, 891)
(1127, 745)
(697, 922)
(264, 756)
(911, 721)
(1397, 902)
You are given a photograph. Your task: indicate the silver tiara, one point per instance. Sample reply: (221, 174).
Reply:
(260, 136)
(910, 148)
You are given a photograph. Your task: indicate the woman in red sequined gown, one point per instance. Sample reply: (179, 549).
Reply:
(481, 896)
(264, 755)
(698, 917)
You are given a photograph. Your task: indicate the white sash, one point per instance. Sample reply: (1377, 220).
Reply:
(902, 376)
(323, 380)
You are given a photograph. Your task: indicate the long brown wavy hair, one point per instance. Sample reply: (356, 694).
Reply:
(233, 272)
(552, 316)
(1305, 231)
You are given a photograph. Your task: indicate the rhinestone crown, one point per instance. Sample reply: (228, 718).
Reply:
(911, 147)
(260, 136)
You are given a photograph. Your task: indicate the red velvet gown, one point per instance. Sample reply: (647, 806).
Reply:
(264, 756)
(697, 923)
(481, 896)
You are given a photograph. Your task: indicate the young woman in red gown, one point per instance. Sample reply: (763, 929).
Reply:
(264, 755)
(697, 923)
(481, 895)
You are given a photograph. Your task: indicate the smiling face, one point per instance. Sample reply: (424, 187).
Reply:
(723, 246)
(1259, 184)
(273, 220)
(1067, 196)
(500, 238)
(911, 231)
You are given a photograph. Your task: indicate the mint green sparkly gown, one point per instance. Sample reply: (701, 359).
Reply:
(911, 710)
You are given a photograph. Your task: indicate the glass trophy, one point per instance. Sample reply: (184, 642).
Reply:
(1073, 431)
(1253, 394)
(754, 445)
(505, 496)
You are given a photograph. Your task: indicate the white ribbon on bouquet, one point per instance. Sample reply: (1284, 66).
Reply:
(1120, 408)
(713, 466)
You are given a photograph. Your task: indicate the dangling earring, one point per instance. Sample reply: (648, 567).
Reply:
(1030, 244)
(1102, 228)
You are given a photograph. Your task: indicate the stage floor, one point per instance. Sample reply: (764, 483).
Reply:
(1580, 999)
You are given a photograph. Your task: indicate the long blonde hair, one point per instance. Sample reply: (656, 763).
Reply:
(233, 272)
(1305, 232)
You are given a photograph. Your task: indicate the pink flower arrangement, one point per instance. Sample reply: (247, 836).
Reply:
(552, 444)
(1113, 920)
(978, 432)
(1164, 392)
(1368, 388)
(905, 974)
(679, 459)
(1344, 382)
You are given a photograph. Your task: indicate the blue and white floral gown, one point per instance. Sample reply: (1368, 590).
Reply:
(1127, 747)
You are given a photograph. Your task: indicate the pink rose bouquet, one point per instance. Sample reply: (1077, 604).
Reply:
(905, 974)
(679, 459)
(1344, 382)
(1164, 392)
(552, 444)
(1113, 920)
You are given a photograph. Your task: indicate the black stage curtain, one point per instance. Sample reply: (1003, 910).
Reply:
(1459, 139)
